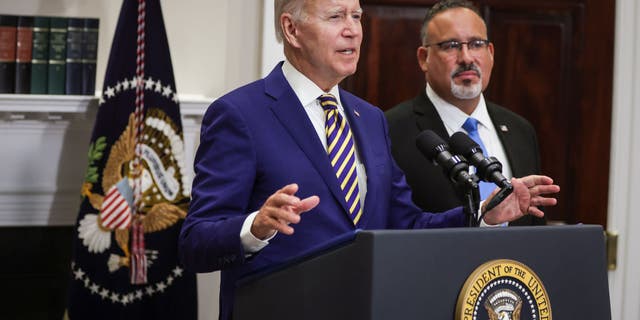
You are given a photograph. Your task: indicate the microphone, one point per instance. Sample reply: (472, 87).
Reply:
(488, 169)
(436, 150)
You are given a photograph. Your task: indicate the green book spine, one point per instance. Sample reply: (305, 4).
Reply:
(24, 49)
(40, 55)
(8, 32)
(57, 55)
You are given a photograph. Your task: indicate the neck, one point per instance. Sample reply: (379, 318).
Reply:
(466, 105)
(306, 69)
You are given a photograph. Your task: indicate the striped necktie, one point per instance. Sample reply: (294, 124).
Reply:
(471, 126)
(342, 154)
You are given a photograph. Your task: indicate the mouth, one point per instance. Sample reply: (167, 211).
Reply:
(349, 51)
(467, 74)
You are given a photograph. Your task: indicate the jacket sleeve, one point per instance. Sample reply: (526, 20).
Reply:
(225, 169)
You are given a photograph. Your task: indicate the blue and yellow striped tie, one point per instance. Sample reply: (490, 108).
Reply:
(342, 154)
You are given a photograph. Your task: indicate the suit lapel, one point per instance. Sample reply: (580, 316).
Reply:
(427, 118)
(508, 140)
(294, 119)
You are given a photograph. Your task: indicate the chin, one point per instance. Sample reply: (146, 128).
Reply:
(350, 69)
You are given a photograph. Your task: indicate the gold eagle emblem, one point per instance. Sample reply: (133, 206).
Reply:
(164, 189)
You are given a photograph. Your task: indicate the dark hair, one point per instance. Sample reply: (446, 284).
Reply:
(442, 6)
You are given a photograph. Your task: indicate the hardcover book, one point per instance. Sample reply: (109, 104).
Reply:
(75, 45)
(40, 55)
(8, 32)
(57, 55)
(24, 47)
(90, 56)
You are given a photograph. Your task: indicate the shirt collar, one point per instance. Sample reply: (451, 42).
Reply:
(453, 118)
(306, 91)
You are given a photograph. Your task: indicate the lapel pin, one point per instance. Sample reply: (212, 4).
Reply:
(356, 112)
(504, 128)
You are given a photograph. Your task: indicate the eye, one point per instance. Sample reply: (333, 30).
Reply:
(449, 45)
(357, 16)
(477, 44)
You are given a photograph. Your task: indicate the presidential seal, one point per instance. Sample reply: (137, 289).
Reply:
(503, 290)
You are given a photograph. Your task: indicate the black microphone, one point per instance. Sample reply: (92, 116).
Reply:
(488, 169)
(436, 150)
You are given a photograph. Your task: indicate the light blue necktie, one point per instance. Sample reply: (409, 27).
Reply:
(471, 126)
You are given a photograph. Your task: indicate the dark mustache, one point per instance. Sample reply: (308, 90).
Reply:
(467, 67)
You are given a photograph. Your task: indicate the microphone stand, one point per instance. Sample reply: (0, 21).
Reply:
(471, 206)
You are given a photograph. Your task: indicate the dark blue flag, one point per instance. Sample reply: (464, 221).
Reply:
(135, 194)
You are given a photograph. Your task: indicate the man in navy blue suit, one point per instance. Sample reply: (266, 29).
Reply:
(263, 159)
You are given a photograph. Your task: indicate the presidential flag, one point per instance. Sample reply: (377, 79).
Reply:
(136, 190)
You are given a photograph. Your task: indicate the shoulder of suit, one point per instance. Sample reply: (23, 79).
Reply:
(504, 113)
(355, 101)
(403, 109)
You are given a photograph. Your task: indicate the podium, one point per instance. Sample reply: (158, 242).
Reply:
(419, 274)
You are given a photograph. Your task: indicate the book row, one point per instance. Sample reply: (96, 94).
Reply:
(48, 55)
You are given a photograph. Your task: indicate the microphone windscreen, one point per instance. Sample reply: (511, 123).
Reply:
(461, 144)
(430, 144)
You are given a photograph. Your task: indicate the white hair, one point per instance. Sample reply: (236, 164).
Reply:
(294, 7)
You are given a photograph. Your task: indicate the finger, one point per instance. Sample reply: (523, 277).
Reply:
(535, 212)
(544, 189)
(289, 189)
(266, 224)
(544, 202)
(533, 180)
(280, 226)
(307, 204)
(286, 214)
(282, 199)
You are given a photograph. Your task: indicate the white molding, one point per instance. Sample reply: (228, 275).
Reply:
(65, 104)
(31, 103)
(624, 283)
(194, 107)
(46, 209)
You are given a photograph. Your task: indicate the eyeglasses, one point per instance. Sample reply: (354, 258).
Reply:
(453, 46)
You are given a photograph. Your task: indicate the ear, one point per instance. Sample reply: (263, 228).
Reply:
(289, 30)
(491, 50)
(423, 55)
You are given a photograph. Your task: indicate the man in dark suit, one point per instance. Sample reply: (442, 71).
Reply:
(266, 166)
(457, 59)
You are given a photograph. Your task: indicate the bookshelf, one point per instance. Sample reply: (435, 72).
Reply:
(43, 152)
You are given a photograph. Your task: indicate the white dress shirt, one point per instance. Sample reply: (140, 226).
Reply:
(453, 119)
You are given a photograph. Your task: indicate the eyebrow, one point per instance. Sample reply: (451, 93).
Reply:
(342, 10)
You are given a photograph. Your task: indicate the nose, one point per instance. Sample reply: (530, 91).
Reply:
(352, 27)
(464, 55)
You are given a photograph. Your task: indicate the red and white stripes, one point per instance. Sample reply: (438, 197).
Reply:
(115, 212)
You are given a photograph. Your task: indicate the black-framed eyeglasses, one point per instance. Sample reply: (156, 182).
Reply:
(451, 46)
